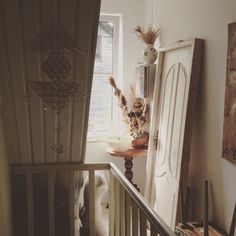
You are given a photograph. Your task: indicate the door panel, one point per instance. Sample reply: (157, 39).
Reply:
(169, 150)
(173, 122)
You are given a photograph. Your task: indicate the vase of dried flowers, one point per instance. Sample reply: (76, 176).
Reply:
(136, 116)
(148, 36)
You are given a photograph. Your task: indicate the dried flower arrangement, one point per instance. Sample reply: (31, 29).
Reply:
(148, 35)
(137, 116)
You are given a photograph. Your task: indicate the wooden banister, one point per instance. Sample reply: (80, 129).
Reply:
(129, 211)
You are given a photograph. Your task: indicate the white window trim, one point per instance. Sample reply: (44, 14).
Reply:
(117, 68)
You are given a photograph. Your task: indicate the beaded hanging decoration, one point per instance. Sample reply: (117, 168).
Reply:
(57, 92)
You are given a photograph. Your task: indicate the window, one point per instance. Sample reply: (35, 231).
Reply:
(102, 112)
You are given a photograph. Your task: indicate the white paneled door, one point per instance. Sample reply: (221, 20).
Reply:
(171, 126)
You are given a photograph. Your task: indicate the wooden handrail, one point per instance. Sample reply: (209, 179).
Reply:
(161, 227)
(44, 168)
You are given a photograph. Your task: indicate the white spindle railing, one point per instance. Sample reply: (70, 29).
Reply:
(129, 213)
(138, 211)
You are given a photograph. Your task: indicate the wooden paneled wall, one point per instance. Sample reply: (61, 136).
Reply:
(33, 132)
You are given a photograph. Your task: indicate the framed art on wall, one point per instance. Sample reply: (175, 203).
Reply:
(229, 135)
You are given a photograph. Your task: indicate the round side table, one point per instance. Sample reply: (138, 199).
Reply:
(128, 156)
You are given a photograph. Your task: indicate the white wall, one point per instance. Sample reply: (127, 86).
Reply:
(132, 14)
(184, 19)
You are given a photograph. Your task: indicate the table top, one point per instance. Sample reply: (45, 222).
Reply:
(130, 153)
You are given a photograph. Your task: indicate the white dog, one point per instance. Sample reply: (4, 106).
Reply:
(100, 188)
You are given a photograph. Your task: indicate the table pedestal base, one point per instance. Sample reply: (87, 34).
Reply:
(128, 157)
(128, 170)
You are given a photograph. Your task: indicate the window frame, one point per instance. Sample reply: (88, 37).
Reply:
(116, 67)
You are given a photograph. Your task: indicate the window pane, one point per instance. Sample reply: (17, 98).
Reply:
(100, 117)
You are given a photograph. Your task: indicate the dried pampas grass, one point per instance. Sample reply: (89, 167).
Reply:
(148, 35)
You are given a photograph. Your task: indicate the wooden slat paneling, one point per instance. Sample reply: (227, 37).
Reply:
(13, 36)
(28, 122)
(25, 77)
(51, 210)
(6, 90)
(30, 205)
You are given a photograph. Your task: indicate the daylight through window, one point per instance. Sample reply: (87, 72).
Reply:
(101, 114)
